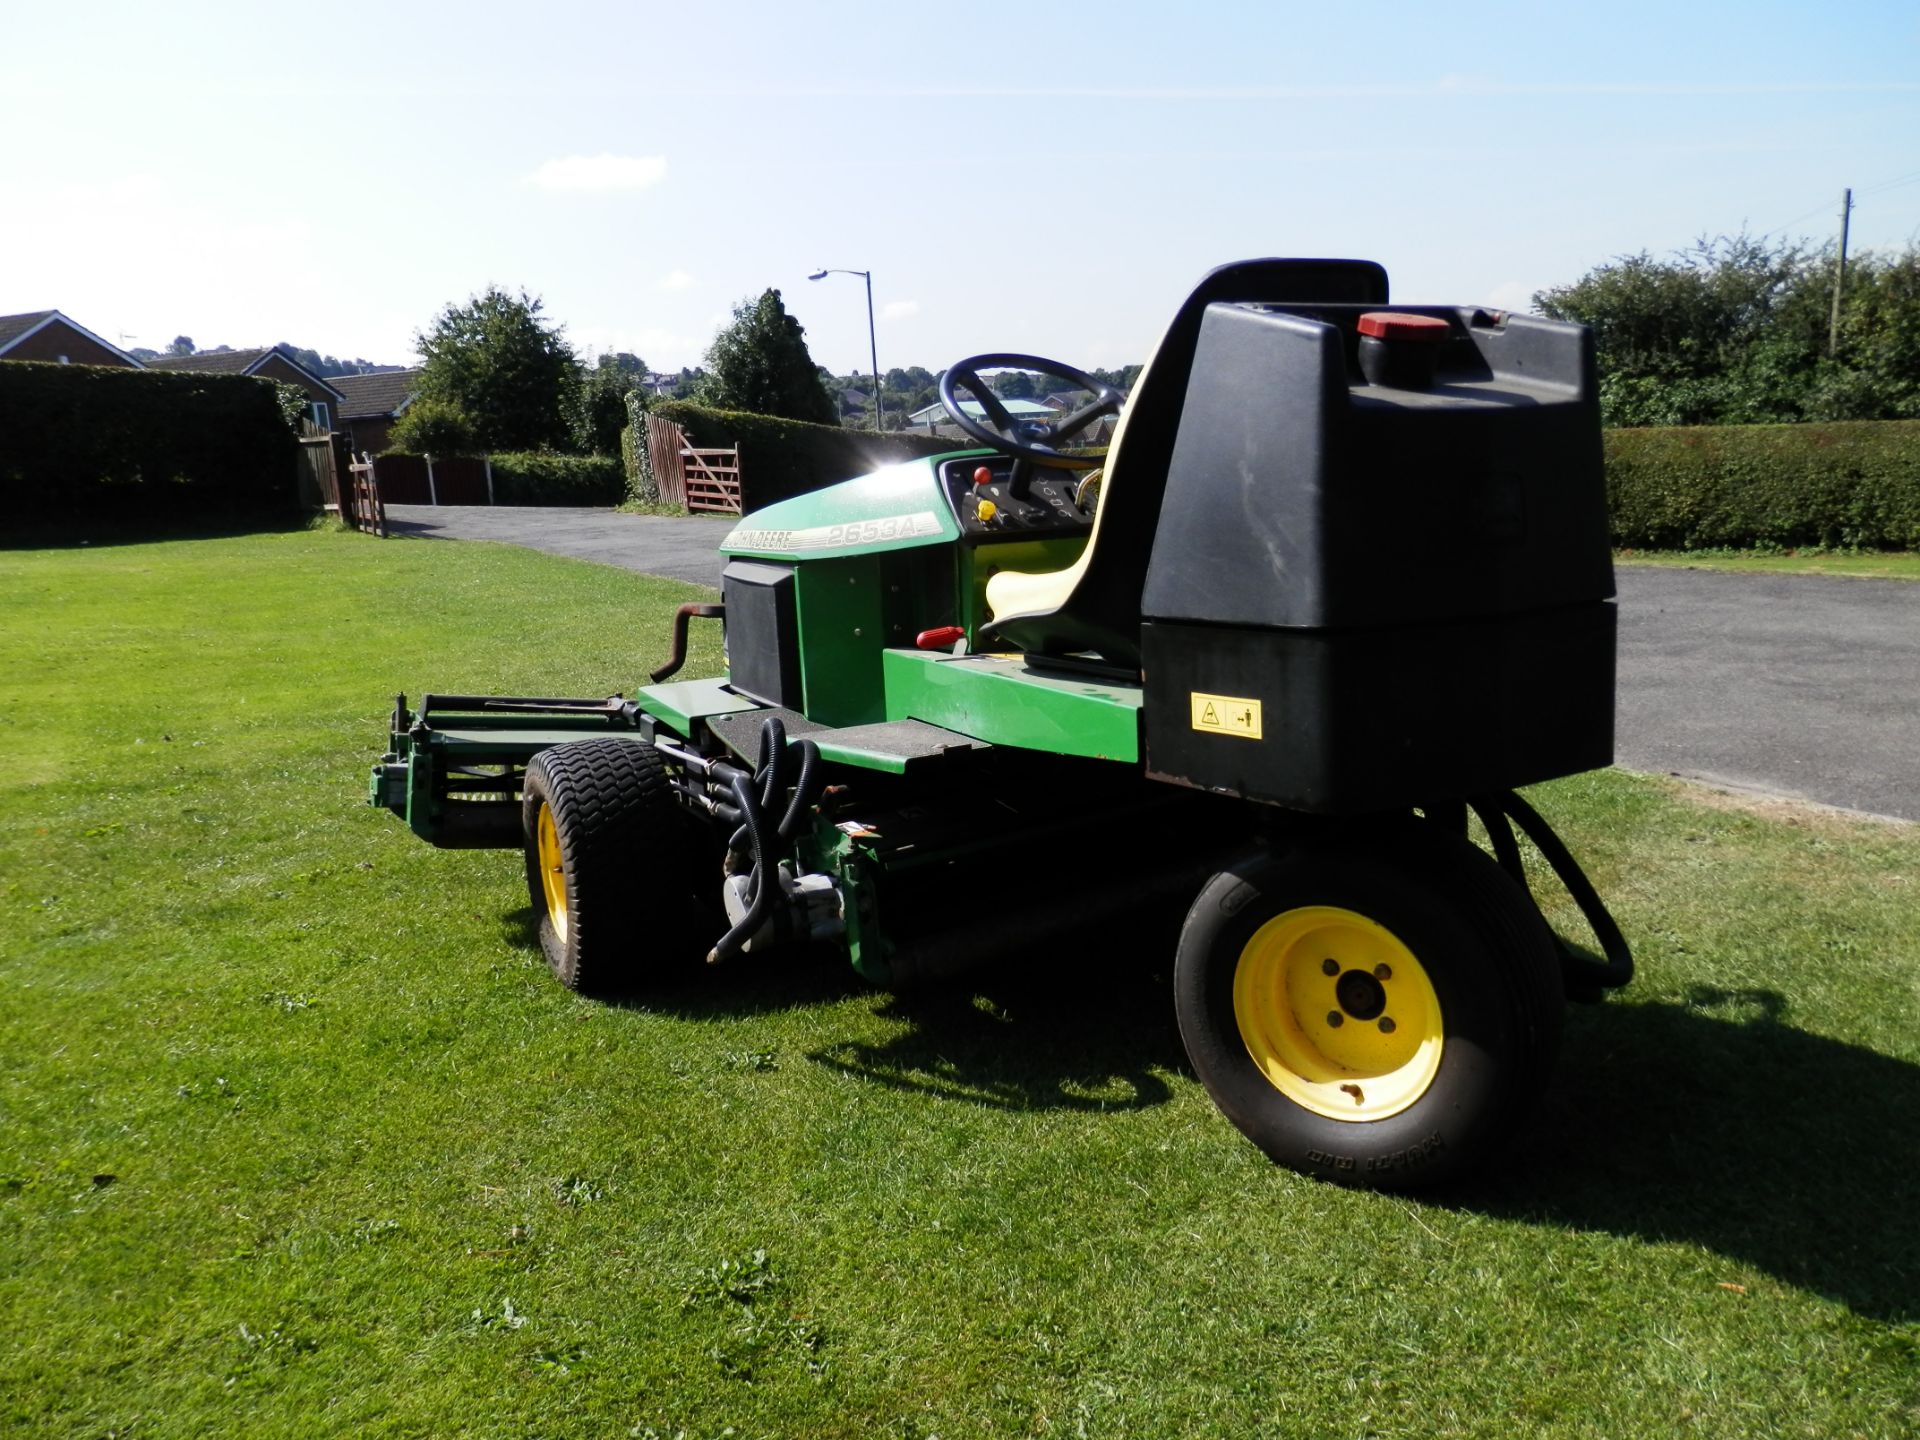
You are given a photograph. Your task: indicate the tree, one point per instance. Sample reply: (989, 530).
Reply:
(495, 360)
(434, 427)
(1722, 332)
(601, 406)
(182, 345)
(1876, 375)
(760, 363)
(1737, 331)
(327, 366)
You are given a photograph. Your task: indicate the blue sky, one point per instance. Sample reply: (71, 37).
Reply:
(1038, 177)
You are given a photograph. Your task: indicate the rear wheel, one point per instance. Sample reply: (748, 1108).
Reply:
(612, 861)
(1381, 1010)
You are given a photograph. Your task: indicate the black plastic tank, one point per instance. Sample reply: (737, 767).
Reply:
(1381, 576)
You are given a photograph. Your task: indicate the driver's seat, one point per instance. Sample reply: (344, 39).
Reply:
(1093, 606)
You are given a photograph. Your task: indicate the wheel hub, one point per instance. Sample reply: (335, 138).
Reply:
(553, 875)
(1337, 1013)
(1360, 995)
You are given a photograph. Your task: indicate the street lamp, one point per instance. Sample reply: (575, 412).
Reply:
(873, 346)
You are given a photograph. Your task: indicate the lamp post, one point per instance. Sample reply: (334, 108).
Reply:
(873, 345)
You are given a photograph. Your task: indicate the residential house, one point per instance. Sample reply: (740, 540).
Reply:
(48, 335)
(273, 363)
(370, 404)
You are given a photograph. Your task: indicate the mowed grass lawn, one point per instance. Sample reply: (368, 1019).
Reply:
(298, 1138)
(1859, 564)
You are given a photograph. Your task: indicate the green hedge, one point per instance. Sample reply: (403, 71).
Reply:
(1849, 485)
(532, 478)
(109, 445)
(783, 458)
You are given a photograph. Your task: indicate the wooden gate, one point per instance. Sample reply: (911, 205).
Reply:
(364, 510)
(712, 479)
(692, 477)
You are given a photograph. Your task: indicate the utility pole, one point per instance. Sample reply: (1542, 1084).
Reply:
(1840, 275)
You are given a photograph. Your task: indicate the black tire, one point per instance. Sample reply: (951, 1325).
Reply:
(1495, 1003)
(618, 909)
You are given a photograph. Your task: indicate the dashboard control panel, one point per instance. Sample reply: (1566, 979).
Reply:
(1001, 499)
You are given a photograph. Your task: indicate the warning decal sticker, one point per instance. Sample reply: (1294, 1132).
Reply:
(1226, 715)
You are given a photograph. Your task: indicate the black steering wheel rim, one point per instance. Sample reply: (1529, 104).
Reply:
(1035, 440)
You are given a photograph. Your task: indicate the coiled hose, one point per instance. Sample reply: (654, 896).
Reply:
(757, 841)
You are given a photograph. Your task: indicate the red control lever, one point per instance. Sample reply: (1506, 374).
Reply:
(943, 637)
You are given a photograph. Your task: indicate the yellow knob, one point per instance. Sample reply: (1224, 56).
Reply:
(987, 510)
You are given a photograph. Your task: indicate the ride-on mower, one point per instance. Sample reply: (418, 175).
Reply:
(1340, 579)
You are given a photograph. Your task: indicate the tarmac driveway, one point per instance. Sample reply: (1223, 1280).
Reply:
(679, 547)
(1800, 685)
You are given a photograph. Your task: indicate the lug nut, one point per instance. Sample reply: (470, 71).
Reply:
(1383, 972)
(1336, 1019)
(1329, 967)
(1387, 1027)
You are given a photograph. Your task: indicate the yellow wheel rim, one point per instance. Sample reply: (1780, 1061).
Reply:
(1337, 1013)
(553, 876)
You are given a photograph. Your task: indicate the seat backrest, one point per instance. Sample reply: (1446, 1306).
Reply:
(1100, 611)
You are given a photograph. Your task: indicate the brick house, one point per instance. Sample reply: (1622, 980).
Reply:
(371, 404)
(48, 335)
(272, 363)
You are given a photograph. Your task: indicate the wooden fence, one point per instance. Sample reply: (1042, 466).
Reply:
(415, 480)
(323, 472)
(689, 476)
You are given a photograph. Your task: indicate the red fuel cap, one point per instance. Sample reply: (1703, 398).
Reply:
(1392, 325)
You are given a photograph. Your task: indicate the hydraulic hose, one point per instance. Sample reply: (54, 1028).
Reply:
(757, 840)
(804, 790)
(759, 896)
(1585, 977)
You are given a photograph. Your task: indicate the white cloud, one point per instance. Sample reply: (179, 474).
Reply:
(676, 280)
(899, 309)
(601, 172)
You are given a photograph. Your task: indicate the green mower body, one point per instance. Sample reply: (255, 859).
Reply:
(1341, 578)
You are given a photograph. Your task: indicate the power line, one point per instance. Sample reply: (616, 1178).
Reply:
(1891, 184)
(1821, 208)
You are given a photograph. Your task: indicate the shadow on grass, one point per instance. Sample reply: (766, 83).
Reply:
(1029, 1034)
(1031, 1030)
(749, 985)
(1715, 1123)
(109, 531)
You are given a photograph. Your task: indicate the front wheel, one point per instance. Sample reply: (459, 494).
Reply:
(1378, 1009)
(611, 865)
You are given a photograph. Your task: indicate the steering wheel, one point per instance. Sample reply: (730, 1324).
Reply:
(1035, 440)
